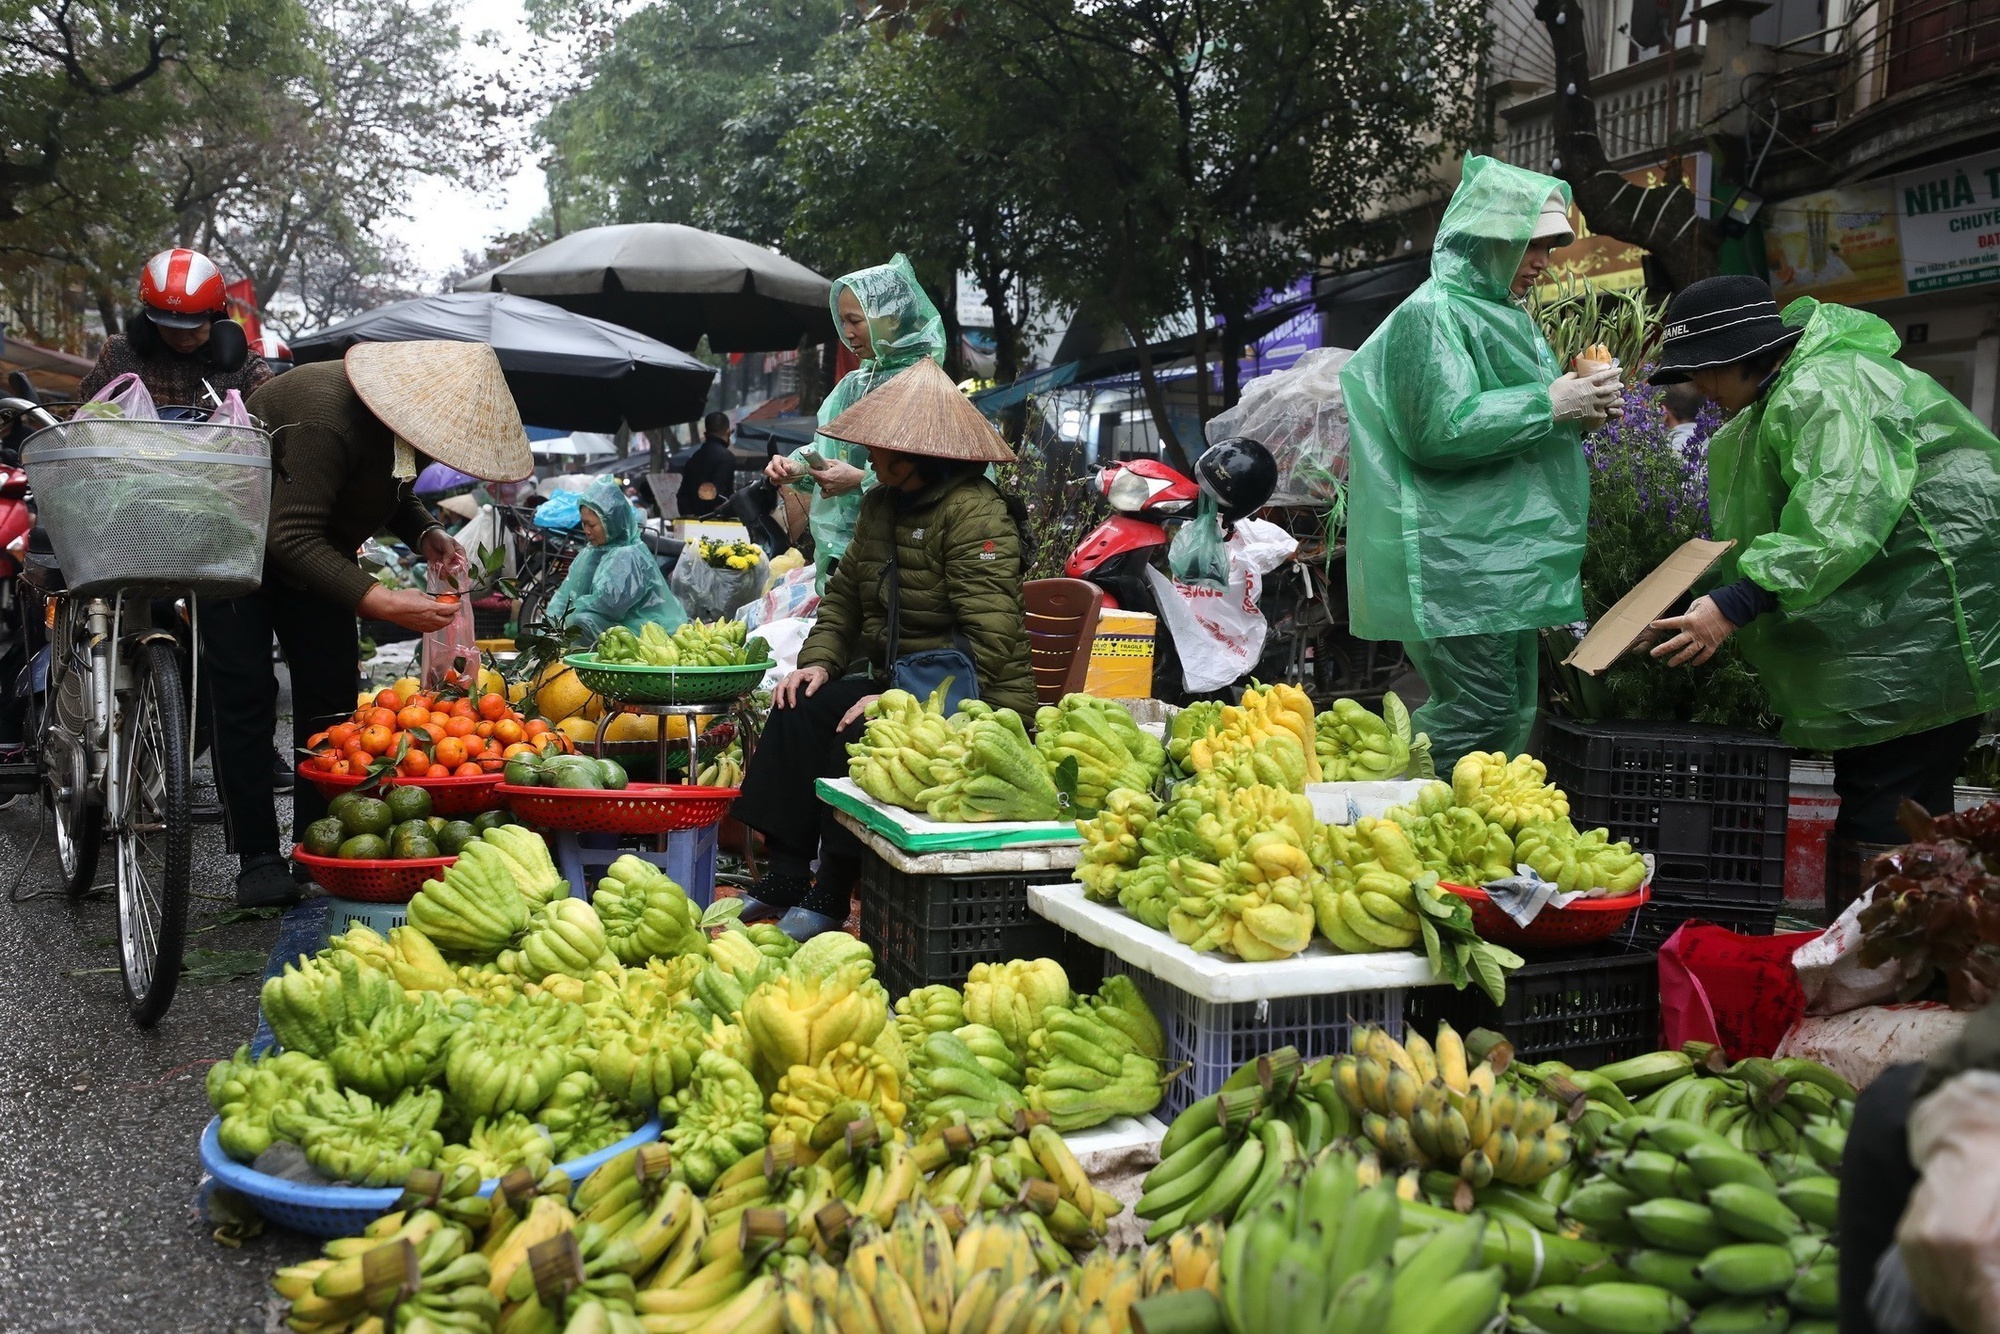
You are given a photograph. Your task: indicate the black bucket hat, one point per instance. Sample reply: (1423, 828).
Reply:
(1718, 322)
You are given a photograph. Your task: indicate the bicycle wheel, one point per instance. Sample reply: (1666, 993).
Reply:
(60, 722)
(155, 834)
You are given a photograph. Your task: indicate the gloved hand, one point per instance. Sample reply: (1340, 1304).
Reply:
(1586, 398)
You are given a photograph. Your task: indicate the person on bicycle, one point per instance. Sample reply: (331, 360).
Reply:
(346, 440)
(885, 319)
(186, 344)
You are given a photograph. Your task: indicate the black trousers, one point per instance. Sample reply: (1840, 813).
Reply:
(322, 648)
(1873, 780)
(798, 745)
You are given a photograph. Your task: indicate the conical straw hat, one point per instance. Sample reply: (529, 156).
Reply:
(449, 400)
(921, 411)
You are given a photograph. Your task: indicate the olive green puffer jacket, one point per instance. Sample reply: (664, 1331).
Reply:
(960, 560)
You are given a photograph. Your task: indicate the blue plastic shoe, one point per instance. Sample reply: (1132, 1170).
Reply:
(803, 924)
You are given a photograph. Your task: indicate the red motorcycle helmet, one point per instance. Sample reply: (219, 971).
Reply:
(182, 289)
(272, 349)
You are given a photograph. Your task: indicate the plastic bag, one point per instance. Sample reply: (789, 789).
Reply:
(789, 595)
(710, 594)
(1830, 970)
(1862, 1043)
(230, 412)
(561, 511)
(128, 395)
(785, 637)
(1950, 1234)
(1219, 632)
(451, 653)
(1197, 554)
(1299, 415)
(1737, 991)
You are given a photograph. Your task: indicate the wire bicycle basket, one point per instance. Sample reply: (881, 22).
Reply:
(164, 505)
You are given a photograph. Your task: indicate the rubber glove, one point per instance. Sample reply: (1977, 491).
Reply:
(1586, 398)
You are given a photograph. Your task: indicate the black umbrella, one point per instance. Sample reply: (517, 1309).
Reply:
(676, 283)
(566, 370)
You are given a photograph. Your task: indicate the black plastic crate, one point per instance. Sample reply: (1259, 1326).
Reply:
(933, 928)
(1710, 804)
(1584, 1009)
(1665, 913)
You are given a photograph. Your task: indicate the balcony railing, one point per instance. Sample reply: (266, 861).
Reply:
(1637, 114)
(1882, 49)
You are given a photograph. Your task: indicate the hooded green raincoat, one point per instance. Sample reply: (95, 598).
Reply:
(1867, 499)
(618, 582)
(1467, 499)
(905, 328)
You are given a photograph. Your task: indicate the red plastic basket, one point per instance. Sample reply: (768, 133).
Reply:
(1584, 922)
(449, 796)
(372, 881)
(642, 808)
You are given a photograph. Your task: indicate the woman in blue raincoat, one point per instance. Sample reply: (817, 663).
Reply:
(1465, 520)
(1864, 501)
(615, 580)
(887, 321)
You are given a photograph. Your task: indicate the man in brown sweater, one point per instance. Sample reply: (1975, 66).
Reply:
(338, 480)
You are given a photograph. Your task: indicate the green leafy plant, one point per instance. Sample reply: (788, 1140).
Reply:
(1574, 315)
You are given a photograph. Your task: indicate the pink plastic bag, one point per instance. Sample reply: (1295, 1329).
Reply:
(451, 654)
(1739, 992)
(127, 393)
(230, 412)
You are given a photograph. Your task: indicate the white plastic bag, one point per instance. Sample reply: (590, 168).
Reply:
(1830, 971)
(710, 594)
(1950, 1233)
(786, 637)
(1219, 632)
(789, 595)
(1862, 1043)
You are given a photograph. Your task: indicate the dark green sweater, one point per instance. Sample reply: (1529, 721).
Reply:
(333, 486)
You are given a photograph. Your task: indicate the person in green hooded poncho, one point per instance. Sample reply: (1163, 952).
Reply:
(1468, 489)
(1864, 587)
(887, 321)
(614, 580)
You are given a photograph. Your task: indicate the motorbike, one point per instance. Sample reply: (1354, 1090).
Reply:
(1303, 601)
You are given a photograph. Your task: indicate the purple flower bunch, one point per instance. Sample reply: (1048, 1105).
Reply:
(1641, 476)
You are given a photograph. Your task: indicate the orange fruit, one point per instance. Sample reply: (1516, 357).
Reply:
(534, 727)
(412, 717)
(341, 767)
(459, 725)
(325, 760)
(388, 699)
(435, 731)
(376, 739)
(518, 748)
(493, 707)
(341, 735)
(450, 752)
(439, 717)
(491, 764)
(416, 764)
(507, 731)
(380, 718)
(356, 757)
(314, 741)
(470, 769)
(482, 729)
(463, 708)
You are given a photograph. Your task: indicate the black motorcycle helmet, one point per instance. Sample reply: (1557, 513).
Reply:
(1238, 474)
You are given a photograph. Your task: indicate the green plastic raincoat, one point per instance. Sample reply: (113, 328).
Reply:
(905, 328)
(618, 582)
(1868, 500)
(1467, 499)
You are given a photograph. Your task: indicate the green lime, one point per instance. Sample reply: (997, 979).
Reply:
(337, 808)
(409, 829)
(520, 773)
(324, 837)
(454, 836)
(364, 848)
(437, 822)
(485, 820)
(408, 803)
(408, 844)
(613, 774)
(367, 816)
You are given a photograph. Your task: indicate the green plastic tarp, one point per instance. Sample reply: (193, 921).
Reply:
(617, 582)
(1467, 499)
(904, 328)
(1867, 499)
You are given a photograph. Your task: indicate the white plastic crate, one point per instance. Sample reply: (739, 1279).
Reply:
(1213, 1038)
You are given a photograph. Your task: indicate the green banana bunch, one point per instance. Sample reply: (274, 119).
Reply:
(496, 1147)
(243, 1093)
(311, 1002)
(1355, 745)
(645, 914)
(1512, 793)
(1010, 998)
(580, 1118)
(907, 747)
(348, 1136)
(509, 1058)
(1110, 750)
(400, 1046)
(563, 937)
(1000, 776)
(1111, 842)
(719, 1118)
(1574, 861)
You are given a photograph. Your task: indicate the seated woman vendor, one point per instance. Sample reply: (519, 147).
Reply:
(937, 541)
(615, 580)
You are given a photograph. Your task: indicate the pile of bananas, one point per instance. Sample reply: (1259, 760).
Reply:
(730, 555)
(1572, 861)
(1110, 751)
(1355, 745)
(725, 770)
(1422, 1106)
(417, 1268)
(1266, 739)
(694, 644)
(1512, 793)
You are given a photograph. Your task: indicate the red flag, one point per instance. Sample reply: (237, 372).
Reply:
(242, 296)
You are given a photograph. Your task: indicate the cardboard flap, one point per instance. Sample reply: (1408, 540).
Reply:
(1618, 629)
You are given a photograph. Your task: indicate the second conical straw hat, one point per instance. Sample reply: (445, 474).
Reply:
(921, 411)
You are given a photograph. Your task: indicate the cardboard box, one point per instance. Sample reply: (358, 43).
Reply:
(1121, 657)
(1618, 629)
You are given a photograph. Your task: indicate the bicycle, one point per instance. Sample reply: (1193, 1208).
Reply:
(112, 735)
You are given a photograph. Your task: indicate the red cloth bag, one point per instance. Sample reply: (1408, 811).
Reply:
(1739, 992)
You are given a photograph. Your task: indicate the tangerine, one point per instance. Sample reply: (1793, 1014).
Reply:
(325, 760)
(341, 735)
(435, 731)
(412, 718)
(493, 707)
(463, 708)
(380, 718)
(518, 748)
(470, 769)
(425, 702)
(357, 758)
(341, 767)
(534, 727)
(459, 725)
(507, 731)
(491, 764)
(482, 729)
(388, 699)
(416, 764)
(376, 739)
(450, 752)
